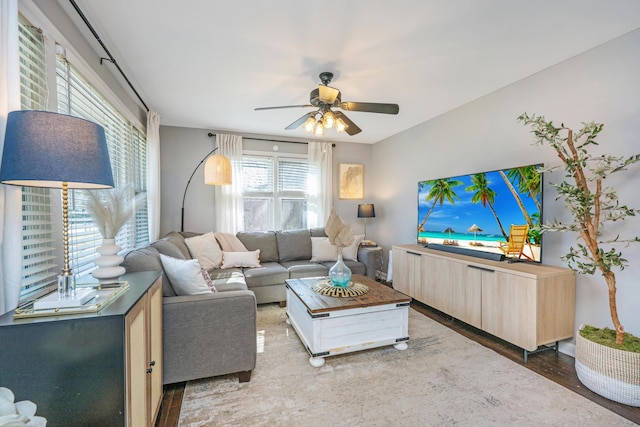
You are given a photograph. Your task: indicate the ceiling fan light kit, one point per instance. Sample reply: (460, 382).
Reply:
(326, 97)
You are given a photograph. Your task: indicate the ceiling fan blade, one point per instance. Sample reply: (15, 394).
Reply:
(283, 106)
(300, 121)
(352, 128)
(370, 107)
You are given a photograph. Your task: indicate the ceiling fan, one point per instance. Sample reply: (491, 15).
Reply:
(324, 99)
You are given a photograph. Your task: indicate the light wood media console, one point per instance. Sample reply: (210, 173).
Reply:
(529, 305)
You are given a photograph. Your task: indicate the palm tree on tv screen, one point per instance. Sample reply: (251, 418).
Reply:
(528, 179)
(485, 195)
(441, 190)
(517, 198)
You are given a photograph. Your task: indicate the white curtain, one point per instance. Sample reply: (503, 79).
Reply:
(229, 206)
(10, 196)
(319, 183)
(153, 174)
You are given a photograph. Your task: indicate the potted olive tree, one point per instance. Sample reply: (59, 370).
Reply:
(607, 361)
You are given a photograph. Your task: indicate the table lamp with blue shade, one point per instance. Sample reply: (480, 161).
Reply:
(44, 149)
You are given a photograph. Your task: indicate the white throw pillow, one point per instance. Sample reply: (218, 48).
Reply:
(323, 250)
(351, 251)
(206, 248)
(185, 275)
(241, 259)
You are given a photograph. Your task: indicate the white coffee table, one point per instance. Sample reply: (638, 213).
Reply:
(331, 325)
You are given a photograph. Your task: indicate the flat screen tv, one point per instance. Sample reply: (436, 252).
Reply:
(475, 212)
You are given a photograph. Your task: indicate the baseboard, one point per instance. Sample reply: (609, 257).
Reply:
(568, 348)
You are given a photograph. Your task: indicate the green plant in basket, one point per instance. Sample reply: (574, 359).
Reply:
(590, 202)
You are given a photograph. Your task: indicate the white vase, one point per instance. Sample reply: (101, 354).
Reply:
(108, 262)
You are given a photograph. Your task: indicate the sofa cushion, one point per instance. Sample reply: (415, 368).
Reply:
(323, 250)
(241, 259)
(206, 249)
(263, 240)
(217, 273)
(317, 232)
(293, 245)
(178, 239)
(233, 282)
(185, 275)
(207, 279)
(166, 247)
(300, 269)
(148, 259)
(271, 273)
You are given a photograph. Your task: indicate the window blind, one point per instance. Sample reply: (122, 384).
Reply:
(127, 152)
(39, 268)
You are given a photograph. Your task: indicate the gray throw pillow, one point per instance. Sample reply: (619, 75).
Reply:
(294, 245)
(263, 240)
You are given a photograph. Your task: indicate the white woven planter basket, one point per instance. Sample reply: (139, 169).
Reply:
(611, 373)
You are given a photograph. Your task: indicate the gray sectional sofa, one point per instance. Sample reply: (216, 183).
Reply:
(215, 334)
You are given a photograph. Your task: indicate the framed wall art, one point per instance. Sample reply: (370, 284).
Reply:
(351, 181)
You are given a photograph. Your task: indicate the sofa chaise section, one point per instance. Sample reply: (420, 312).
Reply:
(203, 335)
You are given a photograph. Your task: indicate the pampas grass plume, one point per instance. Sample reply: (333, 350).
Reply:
(110, 209)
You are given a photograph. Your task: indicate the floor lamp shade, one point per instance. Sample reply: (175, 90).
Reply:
(217, 170)
(43, 149)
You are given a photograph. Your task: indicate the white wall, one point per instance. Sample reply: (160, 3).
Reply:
(602, 84)
(181, 149)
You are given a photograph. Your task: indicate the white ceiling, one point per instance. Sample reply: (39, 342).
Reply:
(207, 64)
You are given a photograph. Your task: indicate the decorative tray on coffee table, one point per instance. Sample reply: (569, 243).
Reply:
(325, 287)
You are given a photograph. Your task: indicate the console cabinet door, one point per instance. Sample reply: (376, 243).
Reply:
(143, 334)
(155, 347)
(407, 268)
(136, 366)
(509, 309)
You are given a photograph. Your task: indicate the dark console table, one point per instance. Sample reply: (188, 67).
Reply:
(93, 369)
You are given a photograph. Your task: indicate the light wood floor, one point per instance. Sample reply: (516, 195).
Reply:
(559, 369)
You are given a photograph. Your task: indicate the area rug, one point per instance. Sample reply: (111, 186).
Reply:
(442, 379)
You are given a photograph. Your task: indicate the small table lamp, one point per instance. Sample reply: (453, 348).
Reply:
(366, 210)
(44, 149)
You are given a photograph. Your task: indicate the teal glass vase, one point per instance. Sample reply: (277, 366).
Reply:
(340, 274)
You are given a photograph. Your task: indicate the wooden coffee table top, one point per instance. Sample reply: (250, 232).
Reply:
(378, 294)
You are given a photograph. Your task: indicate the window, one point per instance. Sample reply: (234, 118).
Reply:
(275, 192)
(127, 151)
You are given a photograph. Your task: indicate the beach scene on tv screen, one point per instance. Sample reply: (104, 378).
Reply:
(476, 211)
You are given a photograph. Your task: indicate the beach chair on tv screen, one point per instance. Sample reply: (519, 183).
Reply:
(518, 238)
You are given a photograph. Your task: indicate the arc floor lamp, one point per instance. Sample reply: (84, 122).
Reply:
(217, 171)
(51, 150)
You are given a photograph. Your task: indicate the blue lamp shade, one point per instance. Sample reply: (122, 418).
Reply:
(44, 149)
